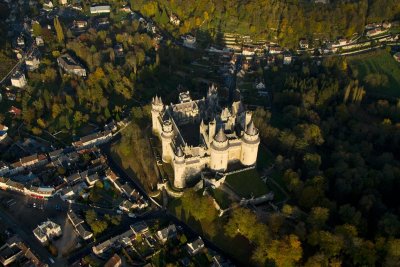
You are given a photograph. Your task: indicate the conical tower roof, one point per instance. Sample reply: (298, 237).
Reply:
(220, 136)
(179, 152)
(251, 129)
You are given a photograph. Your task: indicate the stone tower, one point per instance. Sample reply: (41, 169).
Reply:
(250, 142)
(219, 152)
(157, 107)
(179, 169)
(167, 135)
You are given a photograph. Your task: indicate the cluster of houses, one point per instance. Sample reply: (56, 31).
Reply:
(140, 236)
(15, 251)
(79, 225)
(17, 176)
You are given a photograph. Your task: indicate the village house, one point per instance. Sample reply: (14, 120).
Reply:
(9, 253)
(113, 242)
(174, 20)
(375, 32)
(74, 178)
(15, 250)
(39, 41)
(77, 223)
(70, 66)
(32, 62)
(21, 41)
(195, 247)
(79, 24)
(67, 193)
(167, 233)
(140, 228)
(47, 231)
(101, 9)
(18, 79)
(287, 58)
(274, 50)
(303, 44)
(92, 140)
(39, 192)
(125, 9)
(92, 179)
(53, 155)
(126, 206)
(48, 5)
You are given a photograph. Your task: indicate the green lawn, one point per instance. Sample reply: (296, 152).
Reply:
(247, 183)
(378, 62)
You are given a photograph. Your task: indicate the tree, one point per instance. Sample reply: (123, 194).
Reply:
(318, 217)
(37, 29)
(286, 251)
(59, 30)
(244, 222)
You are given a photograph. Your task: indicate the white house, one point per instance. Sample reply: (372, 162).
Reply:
(32, 63)
(46, 231)
(103, 9)
(167, 233)
(287, 59)
(174, 20)
(195, 247)
(39, 41)
(18, 79)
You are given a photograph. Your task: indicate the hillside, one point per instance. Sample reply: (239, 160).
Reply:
(274, 20)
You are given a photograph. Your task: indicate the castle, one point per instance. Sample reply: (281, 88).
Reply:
(199, 134)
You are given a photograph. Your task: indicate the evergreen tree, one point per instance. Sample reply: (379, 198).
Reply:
(59, 30)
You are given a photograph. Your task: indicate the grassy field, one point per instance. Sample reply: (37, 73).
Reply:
(247, 183)
(381, 63)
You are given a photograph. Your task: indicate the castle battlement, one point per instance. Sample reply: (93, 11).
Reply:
(199, 134)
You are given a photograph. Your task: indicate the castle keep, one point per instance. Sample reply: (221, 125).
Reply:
(199, 134)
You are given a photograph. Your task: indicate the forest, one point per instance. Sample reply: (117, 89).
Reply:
(336, 148)
(279, 21)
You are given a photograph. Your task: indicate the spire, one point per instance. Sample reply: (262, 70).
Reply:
(251, 129)
(202, 123)
(220, 136)
(179, 152)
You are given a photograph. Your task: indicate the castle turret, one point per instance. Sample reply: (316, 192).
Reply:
(211, 130)
(247, 119)
(157, 107)
(179, 169)
(167, 135)
(250, 143)
(219, 152)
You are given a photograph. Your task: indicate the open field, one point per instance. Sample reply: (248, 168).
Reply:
(378, 72)
(247, 184)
